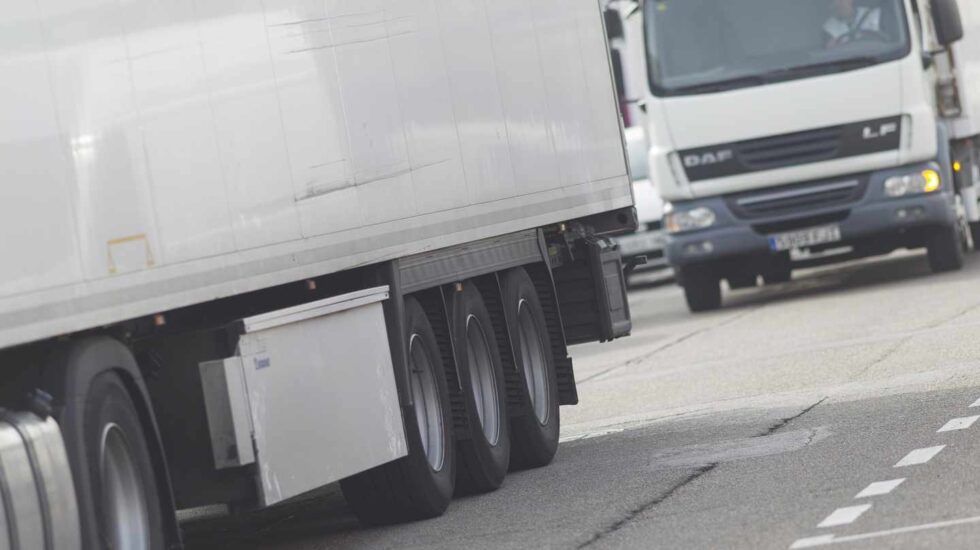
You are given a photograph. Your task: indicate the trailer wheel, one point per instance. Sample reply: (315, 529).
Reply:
(484, 457)
(702, 290)
(534, 436)
(117, 481)
(420, 485)
(945, 249)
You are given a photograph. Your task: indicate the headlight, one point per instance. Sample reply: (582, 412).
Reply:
(679, 221)
(927, 181)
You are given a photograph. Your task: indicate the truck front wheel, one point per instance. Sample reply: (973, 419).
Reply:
(945, 249)
(702, 290)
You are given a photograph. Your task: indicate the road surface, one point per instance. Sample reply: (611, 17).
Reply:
(839, 410)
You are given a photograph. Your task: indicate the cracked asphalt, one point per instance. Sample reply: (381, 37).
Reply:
(743, 428)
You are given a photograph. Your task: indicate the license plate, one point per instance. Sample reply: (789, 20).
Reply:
(804, 238)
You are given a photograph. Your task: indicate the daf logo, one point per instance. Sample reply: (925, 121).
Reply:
(709, 158)
(880, 132)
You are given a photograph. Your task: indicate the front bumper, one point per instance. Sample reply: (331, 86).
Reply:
(871, 216)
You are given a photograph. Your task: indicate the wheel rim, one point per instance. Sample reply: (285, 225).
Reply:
(127, 519)
(427, 404)
(483, 380)
(535, 360)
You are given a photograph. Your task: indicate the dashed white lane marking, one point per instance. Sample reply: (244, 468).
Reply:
(831, 539)
(813, 541)
(880, 488)
(975, 404)
(920, 456)
(959, 424)
(843, 516)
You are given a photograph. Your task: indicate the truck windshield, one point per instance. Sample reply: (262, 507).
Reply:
(703, 46)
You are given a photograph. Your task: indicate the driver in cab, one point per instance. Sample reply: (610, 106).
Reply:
(849, 23)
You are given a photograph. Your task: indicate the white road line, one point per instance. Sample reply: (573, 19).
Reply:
(831, 539)
(975, 404)
(813, 541)
(920, 456)
(959, 424)
(880, 488)
(843, 516)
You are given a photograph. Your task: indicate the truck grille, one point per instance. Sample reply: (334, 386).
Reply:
(795, 149)
(791, 149)
(807, 198)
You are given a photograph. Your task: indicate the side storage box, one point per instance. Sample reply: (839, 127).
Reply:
(310, 398)
(37, 503)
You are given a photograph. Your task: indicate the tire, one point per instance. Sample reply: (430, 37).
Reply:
(114, 474)
(534, 436)
(702, 290)
(420, 485)
(975, 233)
(945, 249)
(484, 456)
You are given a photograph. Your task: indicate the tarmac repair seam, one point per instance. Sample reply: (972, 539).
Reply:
(701, 456)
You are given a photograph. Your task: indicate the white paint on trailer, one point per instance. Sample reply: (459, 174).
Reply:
(879, 488)
(845, 515)
(958, 424)
(831, 539)
(249, 144)
(920, 456)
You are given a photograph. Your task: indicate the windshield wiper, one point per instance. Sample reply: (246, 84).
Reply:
(721, 85)
(836, 66)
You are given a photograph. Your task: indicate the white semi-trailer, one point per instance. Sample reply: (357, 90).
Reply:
(814, 126)
(252, 248)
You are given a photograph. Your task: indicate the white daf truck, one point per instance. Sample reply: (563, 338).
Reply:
(835, 128)
(249, 249)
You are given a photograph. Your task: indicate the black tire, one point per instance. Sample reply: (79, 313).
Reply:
(702, 290)
(102, 425)
(484, 456)
(534, 436)
(945, 249)
(411, 488)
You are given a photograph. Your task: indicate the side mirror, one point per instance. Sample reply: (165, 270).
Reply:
(949, 23)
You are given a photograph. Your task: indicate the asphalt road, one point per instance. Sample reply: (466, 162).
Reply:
(831, 411)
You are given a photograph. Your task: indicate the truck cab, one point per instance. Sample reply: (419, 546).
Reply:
(787, 134)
